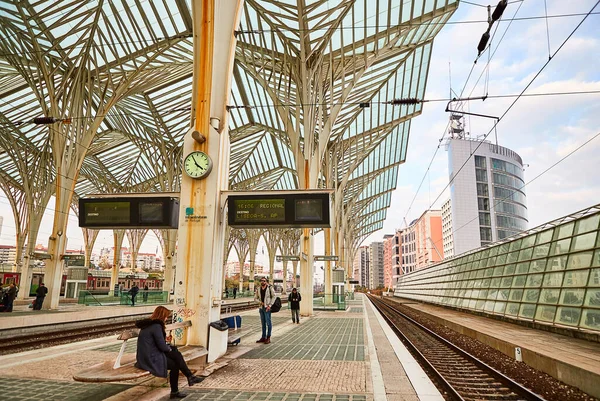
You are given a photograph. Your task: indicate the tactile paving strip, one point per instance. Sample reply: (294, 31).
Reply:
(234, 395)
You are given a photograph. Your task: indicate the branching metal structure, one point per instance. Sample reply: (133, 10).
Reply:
(310, 105)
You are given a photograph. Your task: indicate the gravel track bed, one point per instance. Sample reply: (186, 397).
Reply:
(538, 382)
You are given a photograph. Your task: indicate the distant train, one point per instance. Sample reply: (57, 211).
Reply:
(37, 278)
(99, 281)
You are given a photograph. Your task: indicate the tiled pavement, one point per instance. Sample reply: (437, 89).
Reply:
(29, 389)
(340, 339)
(233, 395)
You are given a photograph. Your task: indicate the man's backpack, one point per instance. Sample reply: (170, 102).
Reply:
(276, 307)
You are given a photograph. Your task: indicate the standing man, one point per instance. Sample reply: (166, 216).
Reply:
(145, 294)
(234, 292)
(294, 300)
(40, 294)
(266, 296)
(134, 291)
(11, 295)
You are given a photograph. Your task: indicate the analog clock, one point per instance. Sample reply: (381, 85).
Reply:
(197, 164)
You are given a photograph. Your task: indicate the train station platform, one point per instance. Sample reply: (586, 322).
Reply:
(331, 356)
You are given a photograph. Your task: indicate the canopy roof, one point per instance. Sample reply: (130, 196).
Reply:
(69, 57)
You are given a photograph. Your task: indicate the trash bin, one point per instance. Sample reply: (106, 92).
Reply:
(217, 340)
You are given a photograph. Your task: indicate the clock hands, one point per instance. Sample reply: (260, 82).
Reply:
(196, 163)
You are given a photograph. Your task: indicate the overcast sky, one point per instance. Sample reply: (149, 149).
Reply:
(541, 129)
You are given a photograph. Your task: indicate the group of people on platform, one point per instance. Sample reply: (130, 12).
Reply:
(8, 294)
(133, 291)
(234, 291)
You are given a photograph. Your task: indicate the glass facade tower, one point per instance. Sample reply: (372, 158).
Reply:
(488, 202)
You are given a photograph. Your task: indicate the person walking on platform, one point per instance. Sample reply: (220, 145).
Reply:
(134, 291)
(40, 294)
(266, 296)
(294, 300)
(11, 294)
(145, 294)
(155, 355)
(234, 292)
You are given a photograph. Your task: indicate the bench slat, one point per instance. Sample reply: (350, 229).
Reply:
(104, 372)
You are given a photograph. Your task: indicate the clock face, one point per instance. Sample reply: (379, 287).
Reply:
(197, 164)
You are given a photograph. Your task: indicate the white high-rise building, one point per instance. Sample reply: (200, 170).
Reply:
(361, 266)
(447, 239)
(488, 201)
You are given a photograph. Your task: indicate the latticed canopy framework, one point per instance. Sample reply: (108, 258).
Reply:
(313, 81)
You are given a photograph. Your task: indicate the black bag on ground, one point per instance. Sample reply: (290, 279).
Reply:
(276, 307)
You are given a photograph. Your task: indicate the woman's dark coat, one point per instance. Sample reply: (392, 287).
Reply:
(151, 347)
(294, 300)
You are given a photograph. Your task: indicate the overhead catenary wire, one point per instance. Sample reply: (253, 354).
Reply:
(514, 102)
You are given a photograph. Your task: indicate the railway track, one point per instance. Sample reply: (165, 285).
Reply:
(458, 374)
(15, 343)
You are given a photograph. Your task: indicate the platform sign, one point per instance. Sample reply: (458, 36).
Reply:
(281, 258)
(129, 212)
(321, 258)
(353, 282)
(298, 209)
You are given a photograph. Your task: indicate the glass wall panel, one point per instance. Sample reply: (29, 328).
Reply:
(503, 295)
(557, 263)
(501, 259)
(549, 296)
(591, 319)
(531, 296)
(576, 278)
(537, 266)
(525, 254)
(587, 224)
(500, 307)
(568, 316)
(572, 297)
(519, 281)
(580, 260)
(594, 278)
(541, 251)
(512, 309)
(566, 230)
(523, 267)
(509, 269)
(560, 247)
(527, 311)
(512, 257)
(544, 236)
(545, 313)
(553, 279)
(528, 241)
(534, 280)
(516, 295)
(585, 241)
(507, 282)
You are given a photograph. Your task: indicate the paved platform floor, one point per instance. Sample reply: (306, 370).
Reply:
(331, 356)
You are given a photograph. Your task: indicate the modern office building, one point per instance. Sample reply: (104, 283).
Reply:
(375, 264)
(428, 238)
(361, 266)
(487, 198)
(408, 262)
(388, 261)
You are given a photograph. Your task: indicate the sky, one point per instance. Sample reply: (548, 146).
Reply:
(542, 130)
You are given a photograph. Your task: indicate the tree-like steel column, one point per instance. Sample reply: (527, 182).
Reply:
(168, 243)
(118, 236)
(135, 238)
(199, 262)
(240, 243)
(253, 238)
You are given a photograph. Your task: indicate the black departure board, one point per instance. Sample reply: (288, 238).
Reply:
(259, 211)
(129, 212)
(298, 210)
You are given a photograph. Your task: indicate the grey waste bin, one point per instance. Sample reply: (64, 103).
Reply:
(217, 340)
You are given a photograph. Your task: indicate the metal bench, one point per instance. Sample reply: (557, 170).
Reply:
(123, 367)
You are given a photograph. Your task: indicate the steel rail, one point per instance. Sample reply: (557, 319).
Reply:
(513, 385)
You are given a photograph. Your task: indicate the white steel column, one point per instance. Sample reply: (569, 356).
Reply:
(201, 239)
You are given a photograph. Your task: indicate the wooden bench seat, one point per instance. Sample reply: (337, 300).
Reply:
(123, 367)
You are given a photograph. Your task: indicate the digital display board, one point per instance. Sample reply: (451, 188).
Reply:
(151, 212)
(259, 210)
(129, 212)
(309, 210)
(301, 209)
(107, 212)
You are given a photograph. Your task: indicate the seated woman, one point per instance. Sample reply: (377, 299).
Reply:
(155, 355)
